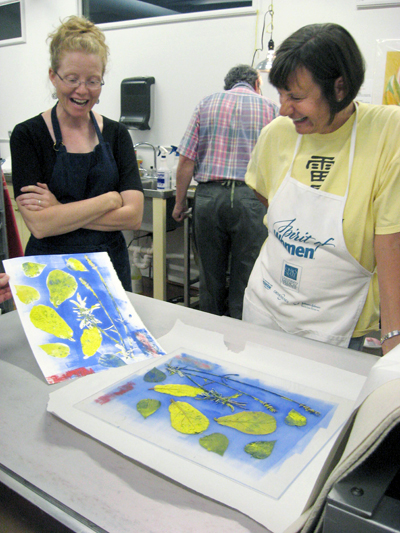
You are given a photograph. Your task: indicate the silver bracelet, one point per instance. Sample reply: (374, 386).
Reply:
(389, 335)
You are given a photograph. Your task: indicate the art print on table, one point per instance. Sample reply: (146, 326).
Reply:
(253, 428)
(76, 314)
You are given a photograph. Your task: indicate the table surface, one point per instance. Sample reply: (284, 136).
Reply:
(90, 487)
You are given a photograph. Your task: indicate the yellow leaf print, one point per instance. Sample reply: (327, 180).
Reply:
(75, 264)
(187, 419)
(27, 294)
(56, 349)
(179, 390)
(91, 341)
(45, 318)
(260, 449)
(61, 286)
(32, 270)
(250, 422)
(148, 407)
(294, 418)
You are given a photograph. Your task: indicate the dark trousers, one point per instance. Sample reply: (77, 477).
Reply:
(228, 233)
(357, 343)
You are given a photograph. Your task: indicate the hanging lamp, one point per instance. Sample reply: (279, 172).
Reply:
(266, 64)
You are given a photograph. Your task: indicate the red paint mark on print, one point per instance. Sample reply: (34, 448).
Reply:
(189, 360)
(76, 373)
(119, 392)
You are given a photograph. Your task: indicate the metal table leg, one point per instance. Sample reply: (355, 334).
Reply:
(186, 261)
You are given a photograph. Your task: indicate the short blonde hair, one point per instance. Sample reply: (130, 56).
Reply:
(77, 34)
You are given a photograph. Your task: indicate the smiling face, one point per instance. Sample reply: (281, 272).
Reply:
(304, 103)
(77, 102)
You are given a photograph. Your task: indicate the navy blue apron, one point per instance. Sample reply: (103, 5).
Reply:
(78, 177)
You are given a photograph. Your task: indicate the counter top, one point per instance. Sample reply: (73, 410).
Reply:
(157, 193)
(166, 193)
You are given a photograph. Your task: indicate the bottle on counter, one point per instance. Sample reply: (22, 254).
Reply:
(174, 149)
(163, 174)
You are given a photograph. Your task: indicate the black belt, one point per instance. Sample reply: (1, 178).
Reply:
(224, 183)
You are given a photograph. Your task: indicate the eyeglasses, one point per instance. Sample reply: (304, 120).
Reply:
(73, 83)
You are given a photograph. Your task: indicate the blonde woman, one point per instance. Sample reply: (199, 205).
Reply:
(75, 174)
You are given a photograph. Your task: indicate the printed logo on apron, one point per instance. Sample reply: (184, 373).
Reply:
(291, 276)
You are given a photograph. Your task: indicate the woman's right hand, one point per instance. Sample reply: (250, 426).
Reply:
(37, 197)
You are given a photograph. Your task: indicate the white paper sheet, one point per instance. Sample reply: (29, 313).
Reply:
(274, 513)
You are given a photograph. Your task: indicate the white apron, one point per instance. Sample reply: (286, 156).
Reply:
(305, 281)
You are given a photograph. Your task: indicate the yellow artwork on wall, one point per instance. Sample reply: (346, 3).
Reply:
(391, 92)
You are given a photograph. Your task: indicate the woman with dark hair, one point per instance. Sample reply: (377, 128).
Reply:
(328, 170)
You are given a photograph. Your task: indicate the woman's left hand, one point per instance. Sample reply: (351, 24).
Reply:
(37, 197)
(5, 291)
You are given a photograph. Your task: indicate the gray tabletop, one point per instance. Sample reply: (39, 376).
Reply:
(90, 487)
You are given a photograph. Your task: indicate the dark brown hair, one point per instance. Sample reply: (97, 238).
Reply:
(328, 52)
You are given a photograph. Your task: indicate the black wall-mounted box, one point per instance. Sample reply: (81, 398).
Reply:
(136, 102)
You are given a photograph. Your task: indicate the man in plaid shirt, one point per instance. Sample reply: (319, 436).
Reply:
(227, 217)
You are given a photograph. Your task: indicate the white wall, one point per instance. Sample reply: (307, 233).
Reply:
(188, 59)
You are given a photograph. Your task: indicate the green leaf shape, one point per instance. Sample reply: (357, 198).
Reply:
(187, 419)
(91, 340)
(110, 360)
(179, 390)
(250, 422)
(148, 407)
(294, 418)
(154, 376)
(56, 349)
(391, 95)
(75, 264)
(260, 449)
(27, 294)
(47, 319)
(396, 86)
(216, 442)
(61, 286)
(32, 270)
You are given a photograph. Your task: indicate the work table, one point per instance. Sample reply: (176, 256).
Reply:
(90, 487)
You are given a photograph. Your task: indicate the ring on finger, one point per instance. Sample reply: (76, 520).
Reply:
(40, 201)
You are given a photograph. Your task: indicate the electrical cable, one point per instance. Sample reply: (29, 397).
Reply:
(270, 11)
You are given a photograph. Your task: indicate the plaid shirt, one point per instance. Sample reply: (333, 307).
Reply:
(223, 131)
